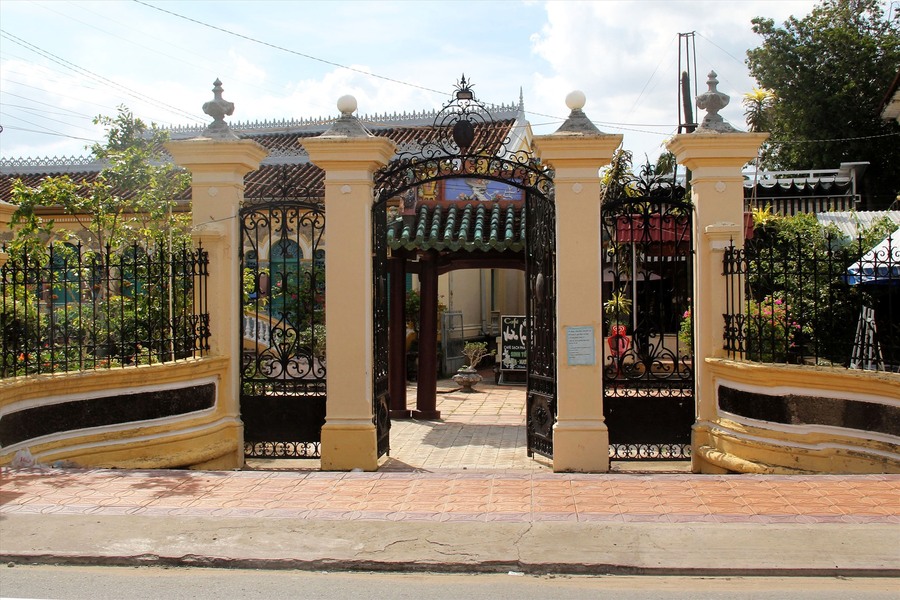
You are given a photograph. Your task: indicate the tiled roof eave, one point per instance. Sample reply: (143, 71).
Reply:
(468, 227)
(478, 246)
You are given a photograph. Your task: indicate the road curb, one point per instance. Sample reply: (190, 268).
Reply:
(496, 567)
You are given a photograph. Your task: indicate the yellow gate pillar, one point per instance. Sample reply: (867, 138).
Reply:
(349, 155)
(218, 161)
(577, 151)
(715, 153)
(6, 212)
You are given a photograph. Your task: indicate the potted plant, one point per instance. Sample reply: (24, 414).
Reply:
(618, 311)
(467, 376)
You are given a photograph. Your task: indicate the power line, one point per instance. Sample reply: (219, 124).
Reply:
(56, 133)
(69, 65)
(63, 112)
(821, 141)
(289, 51)
(736, 59)
(38, 113)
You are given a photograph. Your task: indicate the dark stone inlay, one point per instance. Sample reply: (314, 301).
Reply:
(793, 409)
(32, 423)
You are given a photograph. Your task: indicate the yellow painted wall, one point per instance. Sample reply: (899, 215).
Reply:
(734, 443)
(207, 438)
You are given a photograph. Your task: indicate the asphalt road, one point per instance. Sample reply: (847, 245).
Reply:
(108, 583)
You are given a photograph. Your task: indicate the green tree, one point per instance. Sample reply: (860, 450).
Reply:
(829, 72)
(124, 291)
(132, 199)
(800, 304)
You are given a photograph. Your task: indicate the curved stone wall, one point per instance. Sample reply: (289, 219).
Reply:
(790, 418)
(152, 416)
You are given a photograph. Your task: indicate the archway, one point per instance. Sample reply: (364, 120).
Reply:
(436, 230)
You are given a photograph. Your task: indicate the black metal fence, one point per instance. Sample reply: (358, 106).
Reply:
(815, 298)
(70, 308)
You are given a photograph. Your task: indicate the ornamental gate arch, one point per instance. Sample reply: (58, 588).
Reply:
(457, 148)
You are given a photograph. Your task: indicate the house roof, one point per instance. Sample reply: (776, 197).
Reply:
(890, 104)
(852, 222)
(287, 164)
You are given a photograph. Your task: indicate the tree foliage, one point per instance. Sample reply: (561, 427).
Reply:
(800, 303)
(122, 291)
(130, 201)
(829, 72)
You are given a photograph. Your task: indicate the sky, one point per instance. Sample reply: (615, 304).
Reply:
(62, 63)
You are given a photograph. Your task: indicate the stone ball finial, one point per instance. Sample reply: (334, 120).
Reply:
(218, 108)
(575, 100)
(347, 104)
(577, 123)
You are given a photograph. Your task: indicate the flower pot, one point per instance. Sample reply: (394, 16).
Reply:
(466, 379)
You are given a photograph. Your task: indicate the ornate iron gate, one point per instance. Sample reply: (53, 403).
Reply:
(540, 304)
(648, 389)
(381, 399)
(283, 314)
(454, 149)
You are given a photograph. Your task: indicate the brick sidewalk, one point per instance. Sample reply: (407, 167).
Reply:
(455, 496)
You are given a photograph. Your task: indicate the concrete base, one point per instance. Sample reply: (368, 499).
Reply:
(581, 448)
(233, 461)
(426, 415)
(349, 446)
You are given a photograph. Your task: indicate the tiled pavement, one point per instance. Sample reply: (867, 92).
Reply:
(455, 496)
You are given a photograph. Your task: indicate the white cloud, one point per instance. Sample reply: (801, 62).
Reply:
(623, 55)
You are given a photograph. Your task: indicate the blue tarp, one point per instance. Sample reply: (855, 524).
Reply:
(880, 265)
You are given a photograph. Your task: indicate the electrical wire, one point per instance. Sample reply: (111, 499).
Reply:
(56, 133)
(288, 50)
(70, 65)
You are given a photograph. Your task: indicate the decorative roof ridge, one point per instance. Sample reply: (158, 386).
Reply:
(426, 117)
(375, 120)
(66, 164)
(268, 126)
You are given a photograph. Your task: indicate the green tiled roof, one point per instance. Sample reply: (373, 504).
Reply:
(467, 226)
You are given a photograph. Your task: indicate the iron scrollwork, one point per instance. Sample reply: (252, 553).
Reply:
(648, 389)
(283, 365)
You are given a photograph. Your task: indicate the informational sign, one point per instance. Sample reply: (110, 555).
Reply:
(513, 343)
(580, 346)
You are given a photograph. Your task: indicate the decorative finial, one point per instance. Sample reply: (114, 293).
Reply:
(712, 101)
(218, 108)
(577, 122)
(464, 89)
(347, 105)
(576, 100)
(347, 125)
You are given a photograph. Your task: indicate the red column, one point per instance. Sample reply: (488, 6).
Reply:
(426, 390)
(397, 339)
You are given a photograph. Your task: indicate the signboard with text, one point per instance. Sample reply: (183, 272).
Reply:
(513, 343)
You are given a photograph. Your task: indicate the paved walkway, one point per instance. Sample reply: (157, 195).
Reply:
(456, 496)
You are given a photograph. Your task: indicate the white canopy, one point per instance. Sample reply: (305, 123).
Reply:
(881, 264)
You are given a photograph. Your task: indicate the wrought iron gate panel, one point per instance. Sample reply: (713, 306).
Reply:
(381, 400)
(648, 384)
(540, 306)
(283, 388)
